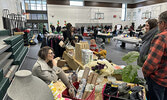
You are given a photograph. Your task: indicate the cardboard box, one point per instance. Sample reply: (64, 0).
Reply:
(70, 49)
(87, 56)
(60, 63)
(78, 49)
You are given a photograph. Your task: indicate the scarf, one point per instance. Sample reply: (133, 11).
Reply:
(146, 42)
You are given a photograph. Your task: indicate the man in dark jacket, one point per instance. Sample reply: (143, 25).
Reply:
(82, 30)
(95, 32)
(58, 29)
(44, 30)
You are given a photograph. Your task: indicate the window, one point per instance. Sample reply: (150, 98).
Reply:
(27, 5)
(39, 7)
(44, 2)
(40, 17)
(33, 7)
(39, 2)
(34, 16)
(44, 7)
(124, 7)
(32, 1)
(35, 4)
(76, 3)
(45, 16)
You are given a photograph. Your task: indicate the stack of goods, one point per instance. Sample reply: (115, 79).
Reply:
(78, 49)
(70, 50)
(82, 84)
(91, 82)
(87, 56)
(84, 89)
(123, 91)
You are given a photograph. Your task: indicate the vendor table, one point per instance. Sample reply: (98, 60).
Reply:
(104, 36)
(131, 40)
(87, 34)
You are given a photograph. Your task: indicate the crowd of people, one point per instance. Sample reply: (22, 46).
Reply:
(152, 59)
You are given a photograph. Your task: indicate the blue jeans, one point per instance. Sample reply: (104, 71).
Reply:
(155, 91)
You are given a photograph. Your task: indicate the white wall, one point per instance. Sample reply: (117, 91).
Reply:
(12, 5)
(75, 14)
(86, 14)
(154, 9)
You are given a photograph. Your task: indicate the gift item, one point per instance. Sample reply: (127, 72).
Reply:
(88, 83)
(55, 92)
(122, 91)
(87, 56)
(82, 84)
(67, 83)
(76, 84)
(93, 82)
(74, 77)
(64, 78)
(78, 50)
(29, 87)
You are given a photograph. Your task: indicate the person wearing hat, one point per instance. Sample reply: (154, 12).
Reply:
(102, 53)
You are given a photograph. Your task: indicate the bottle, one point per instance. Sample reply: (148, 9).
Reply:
(74, 77)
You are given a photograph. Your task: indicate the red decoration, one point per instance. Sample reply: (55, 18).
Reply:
(114, 16)
(27, 31)
(26, 13)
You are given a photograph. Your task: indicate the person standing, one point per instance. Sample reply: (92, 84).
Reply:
(155, 66)
(95, 32)
(131, 29)
(52, 28)
(82, 30)
(58, 29)
(151, 30)
(44, 30)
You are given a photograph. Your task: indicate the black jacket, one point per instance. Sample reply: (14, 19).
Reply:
(45, 31)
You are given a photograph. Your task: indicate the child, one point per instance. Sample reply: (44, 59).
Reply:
(102, 53)
(93, 45)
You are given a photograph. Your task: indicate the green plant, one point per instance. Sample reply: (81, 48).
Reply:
(130, 71)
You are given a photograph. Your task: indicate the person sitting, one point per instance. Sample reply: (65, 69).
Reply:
(46, 67)
(93, 46)
(102, 53)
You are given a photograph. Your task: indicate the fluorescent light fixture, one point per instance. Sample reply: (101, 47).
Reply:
(124, 8)
(76, 3)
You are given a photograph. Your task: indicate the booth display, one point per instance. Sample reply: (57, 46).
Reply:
(127, 39)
